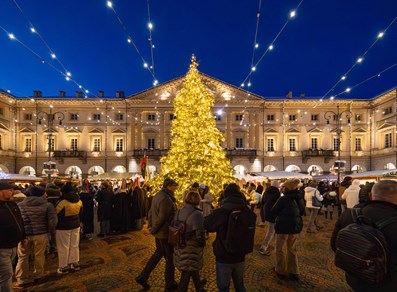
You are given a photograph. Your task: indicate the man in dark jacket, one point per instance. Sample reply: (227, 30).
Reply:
(228, 265)
(39, 219)
(382, 206)
(288, 211)
(160, 216)
(11, 233)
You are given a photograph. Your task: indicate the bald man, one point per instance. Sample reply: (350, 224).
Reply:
(382, 205)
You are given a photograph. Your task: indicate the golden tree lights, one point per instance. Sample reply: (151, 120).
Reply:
(195, 154)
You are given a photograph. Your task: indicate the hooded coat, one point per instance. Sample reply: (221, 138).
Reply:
(351, 194)
(270, 197)
(309, 193)
(69, 209)
(190, 258)
(217, 222)
(288, 211)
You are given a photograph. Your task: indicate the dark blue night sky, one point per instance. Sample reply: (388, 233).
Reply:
(313, 52)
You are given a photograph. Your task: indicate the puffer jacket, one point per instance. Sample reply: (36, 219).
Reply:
(351, 195)
(288, 211)
(69, 209)
(270, 197)
(39, 216)
(161, 213)
(190, 258)
(11, 225)
(206, 202)
(309, 193)
(376, 211)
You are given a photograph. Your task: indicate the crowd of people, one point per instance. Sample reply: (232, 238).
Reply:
(55, 216)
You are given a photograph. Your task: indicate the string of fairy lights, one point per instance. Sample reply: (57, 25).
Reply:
(358, 61)
(130, 40)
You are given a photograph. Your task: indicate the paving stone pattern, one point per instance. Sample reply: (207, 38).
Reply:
(112, 263)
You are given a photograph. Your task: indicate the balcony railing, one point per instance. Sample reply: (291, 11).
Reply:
(150, 152)
(327, 154)
(247, 152)
(60, 155)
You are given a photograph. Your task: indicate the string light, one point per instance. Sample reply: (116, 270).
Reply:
(360, 59)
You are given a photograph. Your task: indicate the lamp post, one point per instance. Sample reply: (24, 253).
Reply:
(50, 118)
(338, 121)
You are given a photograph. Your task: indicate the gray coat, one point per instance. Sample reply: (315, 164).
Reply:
(190, 258)
(39, 216)
(161, 213)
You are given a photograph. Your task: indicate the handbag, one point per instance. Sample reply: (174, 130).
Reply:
(315, 201)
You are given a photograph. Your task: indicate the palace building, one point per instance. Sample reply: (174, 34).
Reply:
(81, 136)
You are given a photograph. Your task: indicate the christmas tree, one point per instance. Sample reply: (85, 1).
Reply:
(195, 154)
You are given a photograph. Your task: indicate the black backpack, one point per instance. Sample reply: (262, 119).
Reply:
(362, 250)
(240, 233)
(177, 231)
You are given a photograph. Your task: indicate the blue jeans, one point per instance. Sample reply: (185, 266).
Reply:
(225, 272)
(7, 256)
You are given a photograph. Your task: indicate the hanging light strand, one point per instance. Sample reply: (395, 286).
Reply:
(34, 30)
(150, 27)
(348, 89)
(130, 40)
(66, 75)
(271, 46)
(359, 60)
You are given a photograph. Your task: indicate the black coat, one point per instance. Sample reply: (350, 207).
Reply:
(105, 200)
(288, 211)
(87, 215)
(376, 211)
(121, 214)
(217, 222)
(270, 197)
(11, 225)
(139, 204)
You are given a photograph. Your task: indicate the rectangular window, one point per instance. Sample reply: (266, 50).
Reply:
(239, 117)
(314, 143)
(387, 111)
(172, 117)
(119, 117)
(28, 117)
(358, 118)
(335, 117)
(239, 143)
(270, 144)
(97, 145)
(218, 118)
(28, 145)
(119, 144)
(74, 117)
(388, 140)
(292, 117)
(270, 117)
(151, 143)
(292, 144)
(336, 144)
(314, 117)
(358, 144)
(151, 117)
(73, 144)
(52, 144)
(96, 117)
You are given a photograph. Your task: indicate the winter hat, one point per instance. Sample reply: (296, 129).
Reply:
(291, 184)
(202, 186)
(169, 182)
(275, 184)
(355, 182)
(67, 188)
(196, 185)
(36, 191)
(52, 190)
(232, 190)
(5, 185)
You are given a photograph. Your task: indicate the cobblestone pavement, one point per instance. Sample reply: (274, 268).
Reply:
(112, 263)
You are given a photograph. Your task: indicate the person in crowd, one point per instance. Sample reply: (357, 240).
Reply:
(105, 200)
(139, 205)
(39, 220)
(87, 215)
(221, 196)
(18, 196)
(351, 194)
(189, 260)
(383, 205)
(11, 233)
(271, 195)
(206, 201)
(288, 211)
(116, 218)
(228, 265)
(259, 190)
(69, 210)
(330, 203)
(160, 215)
(347, 181)
(364, 195)
(122, 208)
(53, 193)
(310, 192)
(255, 197)
(195, 188)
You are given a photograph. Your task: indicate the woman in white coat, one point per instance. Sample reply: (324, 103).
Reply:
(351, 194)
(310, 192)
